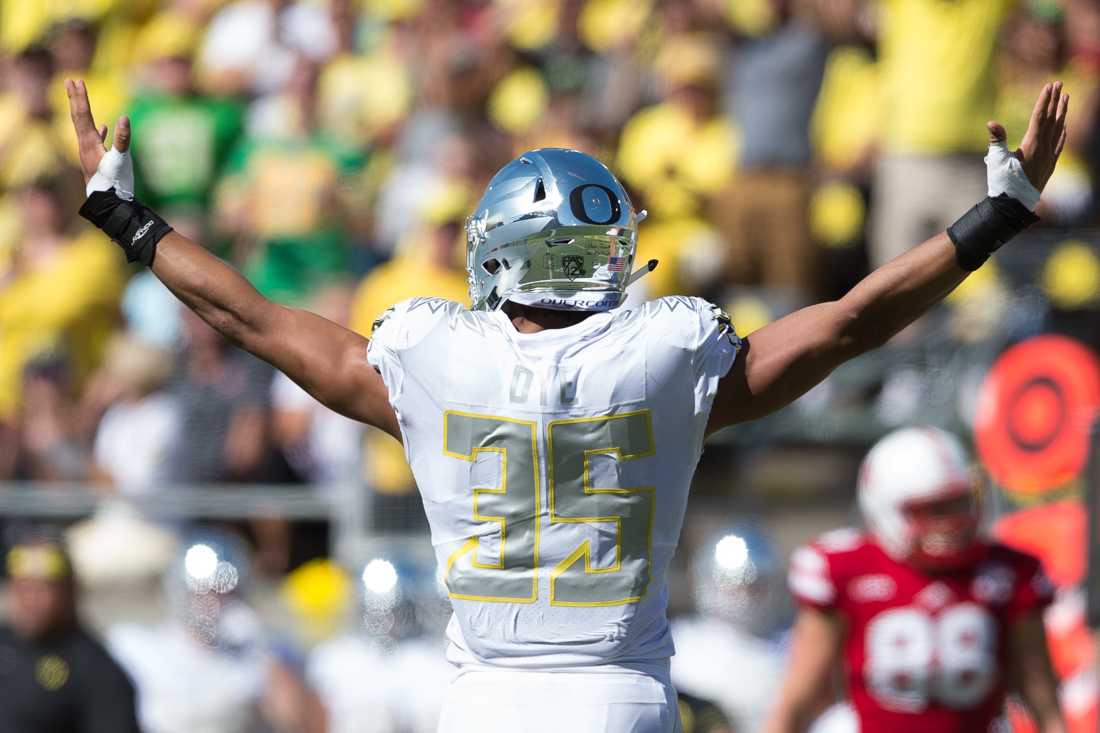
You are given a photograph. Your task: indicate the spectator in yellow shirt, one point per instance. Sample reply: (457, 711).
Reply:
(680, 152)
(427, 264)
(937, 63)
(62, 292)
(73, 44)
(30, 146)
(680, 155)
(1039, 46)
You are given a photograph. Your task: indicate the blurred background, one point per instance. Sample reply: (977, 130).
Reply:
(332, 149)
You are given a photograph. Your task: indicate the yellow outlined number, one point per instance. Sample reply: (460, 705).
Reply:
(573, 499)
(512, 575)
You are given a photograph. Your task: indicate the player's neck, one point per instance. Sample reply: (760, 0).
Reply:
(532, 320)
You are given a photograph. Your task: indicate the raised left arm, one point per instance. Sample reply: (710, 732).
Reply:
(784, 359)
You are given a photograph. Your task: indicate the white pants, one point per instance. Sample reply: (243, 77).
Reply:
(520, 701)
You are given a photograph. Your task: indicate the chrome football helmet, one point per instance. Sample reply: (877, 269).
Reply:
(555, 229)
(738, 576)
(401, 595)
(204, 587)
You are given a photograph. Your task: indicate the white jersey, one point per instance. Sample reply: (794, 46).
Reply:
(554, 469)
(420, 676)
(353, 676)
(184, 686)
(738, 672)
(366, 688)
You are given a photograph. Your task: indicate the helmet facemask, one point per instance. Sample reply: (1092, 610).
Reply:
(944, 530)
(921, 498)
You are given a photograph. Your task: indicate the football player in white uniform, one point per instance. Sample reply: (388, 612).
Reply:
(388, 675)
(209, 666)
(731, 650)
(552, 434)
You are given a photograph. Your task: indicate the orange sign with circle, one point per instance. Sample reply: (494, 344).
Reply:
(1035, 412)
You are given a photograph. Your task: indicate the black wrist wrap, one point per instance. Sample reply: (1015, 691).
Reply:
(129, 224)
(981, 231)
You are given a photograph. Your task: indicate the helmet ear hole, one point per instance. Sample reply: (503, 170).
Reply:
(540, 190)
(491, 266)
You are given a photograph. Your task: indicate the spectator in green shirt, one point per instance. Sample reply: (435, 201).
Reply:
(182, 139)
(285, 196)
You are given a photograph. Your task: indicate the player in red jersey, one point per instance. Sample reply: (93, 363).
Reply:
(932, 623)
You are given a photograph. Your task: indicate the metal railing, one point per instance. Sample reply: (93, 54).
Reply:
(343, 507)
(228, 501)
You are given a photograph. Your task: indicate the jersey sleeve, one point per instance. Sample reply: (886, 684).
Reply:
(401, 327)
(716, 350)
(1034, 589)
(707, 335)
(811, 578)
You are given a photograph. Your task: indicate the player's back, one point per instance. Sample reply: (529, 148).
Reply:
(554, 469)
(923, 651)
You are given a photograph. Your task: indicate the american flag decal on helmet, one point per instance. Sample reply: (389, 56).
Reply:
(616, 264)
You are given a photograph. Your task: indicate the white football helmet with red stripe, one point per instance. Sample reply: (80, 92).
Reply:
(919, 496)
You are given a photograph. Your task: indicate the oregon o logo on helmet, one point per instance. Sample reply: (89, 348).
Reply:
(594, 203)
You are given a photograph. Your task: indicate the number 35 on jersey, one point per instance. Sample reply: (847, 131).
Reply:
(607, 565)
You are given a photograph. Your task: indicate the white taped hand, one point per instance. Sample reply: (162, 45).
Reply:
(116, 170)
(1005, 174)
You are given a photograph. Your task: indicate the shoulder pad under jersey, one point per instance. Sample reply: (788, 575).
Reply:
(406, 323)
(690, 322)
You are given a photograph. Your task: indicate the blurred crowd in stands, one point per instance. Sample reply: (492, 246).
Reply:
(332, 149)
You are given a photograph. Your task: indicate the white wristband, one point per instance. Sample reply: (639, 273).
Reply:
(116, 170)
(1005, 174)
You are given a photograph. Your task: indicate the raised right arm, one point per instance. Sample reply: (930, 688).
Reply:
(327, 360)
